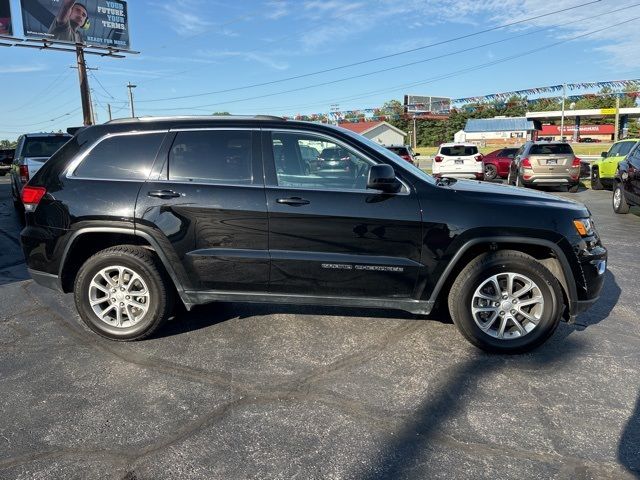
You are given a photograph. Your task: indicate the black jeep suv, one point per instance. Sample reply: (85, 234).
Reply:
(134, 214)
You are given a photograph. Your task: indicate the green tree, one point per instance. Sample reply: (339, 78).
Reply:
(221, 114)
(6, 144)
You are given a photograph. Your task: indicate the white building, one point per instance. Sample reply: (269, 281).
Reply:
(498, 130)
(381, 132)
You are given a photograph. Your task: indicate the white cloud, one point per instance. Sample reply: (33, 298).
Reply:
(260, 58)
(186, 17)
(22, 68)
(276, 9)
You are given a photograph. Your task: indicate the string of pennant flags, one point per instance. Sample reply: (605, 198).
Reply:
(496, 99)
(615, 84)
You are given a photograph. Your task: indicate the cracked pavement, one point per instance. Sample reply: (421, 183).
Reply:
(234, 391)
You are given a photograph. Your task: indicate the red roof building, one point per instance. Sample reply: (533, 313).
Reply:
(381, 132)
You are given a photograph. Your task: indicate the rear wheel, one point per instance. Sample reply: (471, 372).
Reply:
(620, 204)
(506, 302)
(122, 294)
(490, 172)
(519, 182)
(573, 188)
(596, 183)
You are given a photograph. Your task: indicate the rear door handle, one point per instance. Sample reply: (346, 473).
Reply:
(163, 194)
(294, 201)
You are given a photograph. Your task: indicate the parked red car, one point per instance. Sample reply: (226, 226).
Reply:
(496, 164)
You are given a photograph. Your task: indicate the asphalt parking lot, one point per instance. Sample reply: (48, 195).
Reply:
(249, 391)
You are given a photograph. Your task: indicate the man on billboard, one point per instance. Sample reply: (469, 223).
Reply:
(71, 17)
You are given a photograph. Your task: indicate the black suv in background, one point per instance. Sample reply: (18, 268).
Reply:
(132, 215)
(626, 184)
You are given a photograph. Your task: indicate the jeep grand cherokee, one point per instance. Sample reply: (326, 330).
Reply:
(135, 214)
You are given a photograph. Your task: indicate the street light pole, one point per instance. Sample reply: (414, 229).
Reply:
(131, 87)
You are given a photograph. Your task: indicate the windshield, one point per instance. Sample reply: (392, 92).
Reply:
(551, 149)
(385, 152)
(43, 146)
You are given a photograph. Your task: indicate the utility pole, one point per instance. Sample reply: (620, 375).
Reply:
(109, 111)
(616, 133)
(415, 134)
(84, 87)
(564, 98)
(131, 87)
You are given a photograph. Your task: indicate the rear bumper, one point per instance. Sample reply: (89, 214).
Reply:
(46, 280)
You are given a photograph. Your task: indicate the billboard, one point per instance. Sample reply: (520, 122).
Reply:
(91, 22)
(5, 18)
(421, 104)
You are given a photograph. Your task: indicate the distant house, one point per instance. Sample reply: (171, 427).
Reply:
(506, 130)
(381, 132)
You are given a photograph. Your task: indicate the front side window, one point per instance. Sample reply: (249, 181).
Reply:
(212, 156)
(335, 166)
(625, 148)
(121, 157)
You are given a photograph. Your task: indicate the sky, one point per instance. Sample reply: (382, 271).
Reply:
(216, 51)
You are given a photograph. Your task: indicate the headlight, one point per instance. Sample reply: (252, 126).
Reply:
(585, 227)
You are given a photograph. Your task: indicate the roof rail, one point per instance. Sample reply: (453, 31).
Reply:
(194, 117)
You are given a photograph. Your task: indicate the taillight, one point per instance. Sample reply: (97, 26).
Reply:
(479, 157)
(24, 173)
(31, 197)
(576, 162)
(526, 163)
(438, 158)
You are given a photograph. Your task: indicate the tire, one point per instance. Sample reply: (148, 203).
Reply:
(130, 322)
(490, 172)
(510, 180)
(519, 182)
(619, 201)
(547, 312)
(596, 183)
(573, 188)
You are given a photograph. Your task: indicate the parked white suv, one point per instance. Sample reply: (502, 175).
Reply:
(458, 160)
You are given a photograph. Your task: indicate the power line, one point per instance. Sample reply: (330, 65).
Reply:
(65, 73)
(392, 68)
(456, 72)
(370, 60)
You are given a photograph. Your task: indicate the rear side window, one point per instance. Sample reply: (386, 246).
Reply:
(212, 156)
(399, 150)
(551, 149)
(123, 157)
(43, 146)
(459, 151)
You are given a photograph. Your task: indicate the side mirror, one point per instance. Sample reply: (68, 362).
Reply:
(383, 178)
(604, 154)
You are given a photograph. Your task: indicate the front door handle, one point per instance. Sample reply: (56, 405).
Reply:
(294, 201)
(163, 194)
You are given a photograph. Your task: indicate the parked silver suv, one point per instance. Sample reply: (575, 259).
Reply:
(545, 164)
(32, 151)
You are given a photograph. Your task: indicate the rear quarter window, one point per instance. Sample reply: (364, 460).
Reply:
(459, 151)
(122, 157)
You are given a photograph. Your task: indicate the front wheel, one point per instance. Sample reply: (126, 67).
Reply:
(620, 204)
(506, 302)
(121, 293)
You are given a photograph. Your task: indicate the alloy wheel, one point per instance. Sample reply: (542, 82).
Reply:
(507, 306)
(119, 296)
